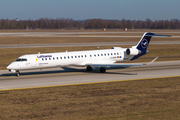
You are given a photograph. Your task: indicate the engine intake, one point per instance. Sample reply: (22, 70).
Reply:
(132, 51)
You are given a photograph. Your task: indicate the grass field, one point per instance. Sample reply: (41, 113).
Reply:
(151, 99)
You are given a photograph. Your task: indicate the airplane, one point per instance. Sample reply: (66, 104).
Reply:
(101, 59)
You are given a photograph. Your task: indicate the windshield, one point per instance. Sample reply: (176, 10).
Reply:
(21, 59)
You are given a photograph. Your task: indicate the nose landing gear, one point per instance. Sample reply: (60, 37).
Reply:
(17, 73)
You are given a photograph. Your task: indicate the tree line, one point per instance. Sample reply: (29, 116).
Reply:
(62, 23)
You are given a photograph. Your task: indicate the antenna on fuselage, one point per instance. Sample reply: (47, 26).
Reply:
(39, 53)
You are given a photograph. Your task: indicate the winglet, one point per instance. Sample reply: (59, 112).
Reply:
(150, 62)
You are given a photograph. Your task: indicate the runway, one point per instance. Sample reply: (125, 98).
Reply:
(74, 75)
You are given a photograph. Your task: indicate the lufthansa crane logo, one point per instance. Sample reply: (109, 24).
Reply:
(144, 43)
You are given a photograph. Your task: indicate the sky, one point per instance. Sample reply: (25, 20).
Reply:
(90, 9)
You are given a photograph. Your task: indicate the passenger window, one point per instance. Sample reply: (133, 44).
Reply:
(71, 56)
(90, 55)
(68, 57)
(60, 57)
(53, 58)
(49, 58)
(117, 53)
(82, 56)
(45, 58)
(108, 54)
(57, 58)
(64, 57)
(104, 54)
(94, 55)
(114, 53)
(85, 56)
(75, 56)
(101, 54)
(98, 54)
(42, 59)
(111, 53)
(78, 56)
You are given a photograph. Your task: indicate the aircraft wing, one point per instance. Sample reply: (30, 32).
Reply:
(121, 64)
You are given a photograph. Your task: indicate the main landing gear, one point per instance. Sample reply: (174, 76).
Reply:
(102, 69)
(89, 68)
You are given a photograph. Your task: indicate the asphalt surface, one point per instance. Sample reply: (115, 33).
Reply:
(74, 75)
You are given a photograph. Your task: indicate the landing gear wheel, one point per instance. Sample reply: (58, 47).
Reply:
(102, 70)
(89, 68)
(17, 73)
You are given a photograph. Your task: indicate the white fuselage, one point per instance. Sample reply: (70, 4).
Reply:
(76, 58)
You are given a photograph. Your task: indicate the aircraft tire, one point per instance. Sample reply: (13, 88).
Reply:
(89, 68)
(102, 70)
(17, 73)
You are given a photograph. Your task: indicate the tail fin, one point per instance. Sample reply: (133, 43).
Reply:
(144, 42)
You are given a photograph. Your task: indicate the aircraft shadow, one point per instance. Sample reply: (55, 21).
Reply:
(66, 70)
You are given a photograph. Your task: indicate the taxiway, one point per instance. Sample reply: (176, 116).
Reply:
(68, 75)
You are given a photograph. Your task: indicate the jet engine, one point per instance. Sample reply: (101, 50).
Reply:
(132, 51)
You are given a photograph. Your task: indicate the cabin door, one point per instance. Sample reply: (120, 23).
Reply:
(34, 61)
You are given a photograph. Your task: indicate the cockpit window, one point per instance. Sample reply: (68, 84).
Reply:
(21, 59)
(18, 60)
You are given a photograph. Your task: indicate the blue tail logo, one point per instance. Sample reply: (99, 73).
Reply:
(144, 43)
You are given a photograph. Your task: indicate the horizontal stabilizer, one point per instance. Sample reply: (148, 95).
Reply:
(158, 35)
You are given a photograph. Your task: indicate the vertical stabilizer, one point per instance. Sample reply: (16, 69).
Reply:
(144, 42)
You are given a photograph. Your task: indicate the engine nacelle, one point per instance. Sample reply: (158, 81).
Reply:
(132, 51)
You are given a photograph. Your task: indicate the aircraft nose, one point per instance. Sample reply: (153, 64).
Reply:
(11, 66)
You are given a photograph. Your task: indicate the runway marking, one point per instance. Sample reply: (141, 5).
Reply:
(88, 83)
